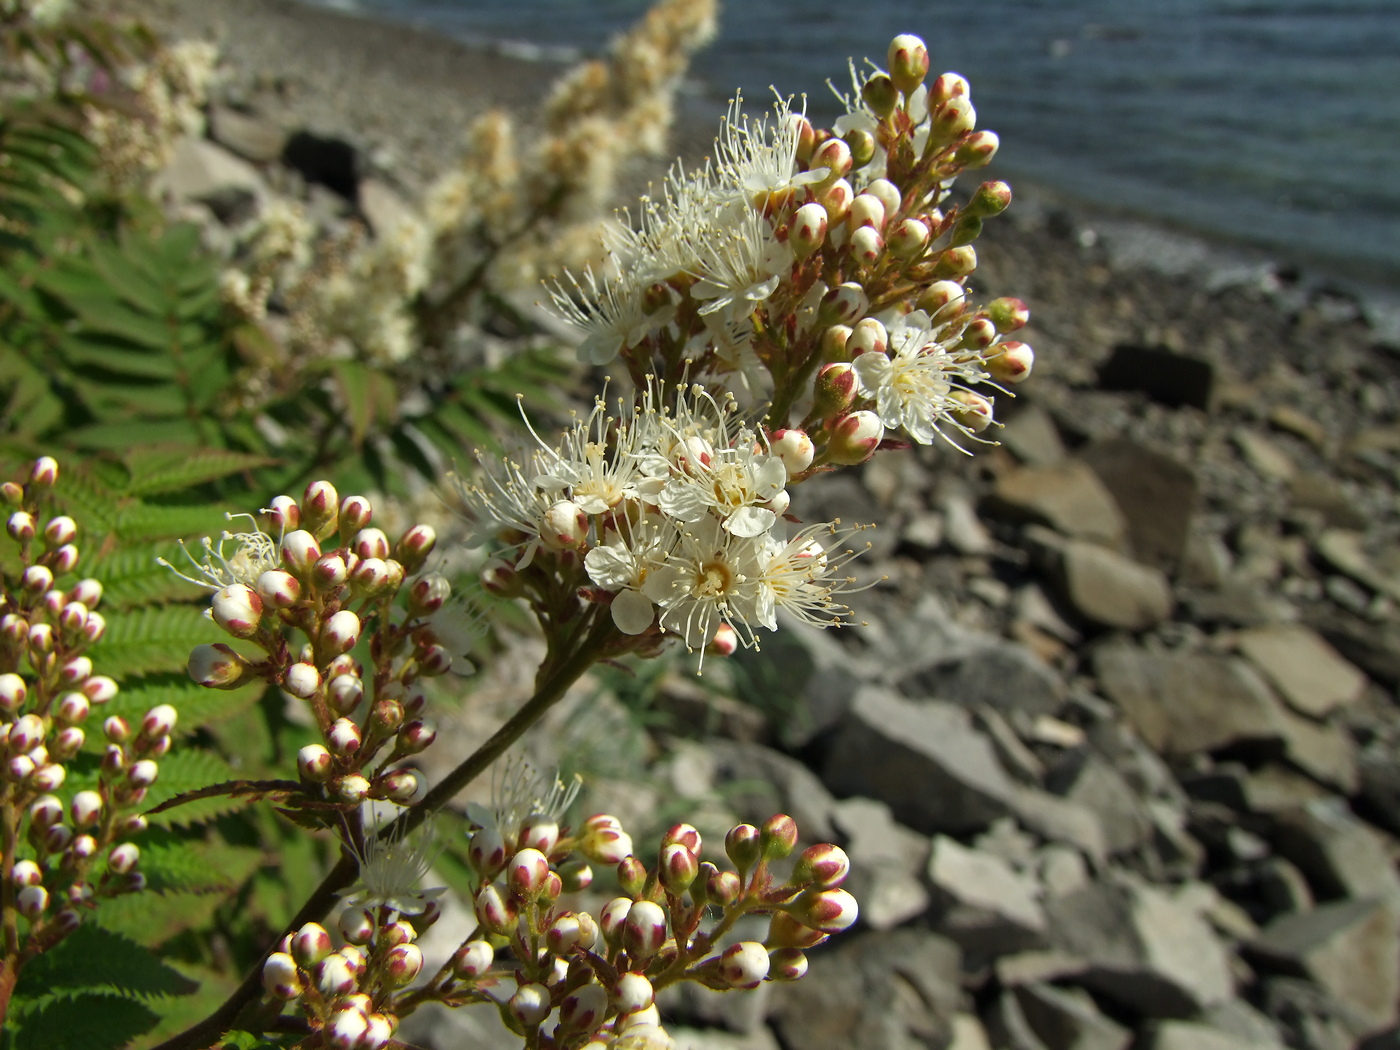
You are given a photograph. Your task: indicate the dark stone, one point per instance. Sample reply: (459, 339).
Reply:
(1156, 494)
(330, 162)
(1163, 375)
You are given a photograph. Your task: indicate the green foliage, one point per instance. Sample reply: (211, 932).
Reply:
(81, 1021)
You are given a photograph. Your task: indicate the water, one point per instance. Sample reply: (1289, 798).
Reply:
(1271, 122)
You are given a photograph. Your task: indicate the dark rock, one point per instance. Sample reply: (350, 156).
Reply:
(985, 906)
(326, 161)
(1373, 647)
(1069, 1019)
(1165, 376)
(1339, 854)
(1379, 768)
(1002, 675)
(1156, 494)
(1087, 779)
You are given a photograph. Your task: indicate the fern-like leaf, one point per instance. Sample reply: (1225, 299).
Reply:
(152, 639)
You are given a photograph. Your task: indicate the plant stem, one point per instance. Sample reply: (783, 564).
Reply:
(246, 999)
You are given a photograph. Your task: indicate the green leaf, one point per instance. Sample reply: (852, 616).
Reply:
(172, 864)
(189, 769)
(92, 959)
(130, 574)
(356, 385)
(148, 521)
(247, 1041)
(156, 917)
(144, 640)
(81, 1022)
(162, 470)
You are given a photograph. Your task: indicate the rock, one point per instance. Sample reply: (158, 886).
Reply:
(249, 136)
(1156, 494)
(1351, 948)
(384, 208)
(962, 528)
(1238, 1018)
(1164, 376)
(1282, 887)
(988, 908)
(1182, 703)
(1145, 949)
(1345, 551)
(1069, 1019)
(692, 707)
(1062, 870)
(1339, 854)
(757, 782)
(1008, 1027)
(1379, 769)
(1310, 676)
(1015, 757)
(204, 173)
(1373, 647)
(1067, 496)
(1057, 819)
(1238, 602)
(1111, 590)
(925, 760)
(1028, 967)
(924, 531)
(325, 160)
(1088, 780)
(1324, 752)
(881, 991)
(710, 1039)
(1309, 1017)
(1184, 1035)
(968, 1034)
(1002, 675)
(1320, 493)
(739, 1012)
(1274, 788)
(1266, 458)
(1032, 437)
(887, 862)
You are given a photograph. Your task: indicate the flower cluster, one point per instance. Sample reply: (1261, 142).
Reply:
(671, 514)
(824, 270)
(571, 980)
(63, 855)
(333, 577)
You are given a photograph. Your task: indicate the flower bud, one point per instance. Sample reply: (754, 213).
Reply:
(216, 666)
(159, 721)
(908, 62)
(678, 868)
(836, 200)
(117, 730)
(862, 146)
(794, 448)
(237, 609)
(603, 841)
(280, 977)
(530, 1004)
(314, 763)
(319, 507)
(473, 959)
(300, 550)
(387, 715)
(821, 865)
(302, 680)
(27, 733)
(978, 149)
(726, 640)
(967, 229)
(44, 473)
(784, 931)
(946, 86)
(612, 917)
(20, 526)
(56, 837)
(563, 936)
(501, 579)
(64, 560)
(26, 873)
(956, 262)
(975, 412)
(403, 786)
(59, 531)
(284, 514)
(778, 837)
(879, 93)
(20, 768)
(123, 858)
(564, 526)
(526, 872)
(346, 1029)
(415, 546)
(370, 543)
(278, 589)
(335, 975)
(951, 119)
(403, 963)
(487, 852)
(644, 930)
(539, 832)
(979, 334)
(342, 631)
(434, 660)
(854, 438)
(866, 210)
(844, 304)
(13, 692)
(584, 1009)
(633, 992)
(833, 155)
(329, 571)
(355, 513)
(495, 914)
(807, 229)
(416, 737)
(40, 638)
(576, 875)
(829, 911)
(344, 737)
(75, 670)
(868, 336)
(352, 788)
(631, 876)
(867, 247)
(49, 777)
(909, 239)
(1013, 364)
(73, 618)
(744, 965)
(94, 626)
(46, 810)
(787, 964)
(31, 901)
(427, 594)
(143, 773)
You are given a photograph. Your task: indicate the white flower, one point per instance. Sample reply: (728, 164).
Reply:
(623, 563)
(392, 869)
(757, 159)
(912, 387)
(731, 482)
(506, 500)
(711, 576)
(257, 553)
(797, 576)
(611, 314)
(519, 791)
(601, 462)
(739, 264)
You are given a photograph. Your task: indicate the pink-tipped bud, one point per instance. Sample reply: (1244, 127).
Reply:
(20, 768)
(20, 526)
(344, 693)
(14, 628)
(44, 473)
(142, 774)
(26, 873)
(611, 918)
(492, 910)
(49, 777)
(41, 639)
(13, 692)
(867, 210)
(415, 546)
(473, 959)
(807, 229)
(427, 594)
(357, 926)
(280, 977)
(633, 992)
(379, 1032)
(678, 868)
(562, 937)
(346, 1029)
(355, 513)
(836, 200)
(1008, 314)
(603, 841)
(526, 873)
(94, 627)
(742, 844)
(975, 411)
(46, 810)
(979, 334)
(335, 976)
(117, 730)
(284, 514)
(943, 300)
(302, 680)
(821, 865)
(216, 666)
(352, 788)
(59, 531)
(644, 930)
(868, 337)
(237, 609)
(387, 715)
(73, 618)
(487, 852)
(725, 642)
(946, 86)
(27, 733)
(159, 721)
(784, 931)
(416, 737)
(64, 560)
(371, 543)
(956, 262)
(854, 438)
(833, 155)
(402, 964)
(867, 247)
(530, 1005)
(828, 911)
(320, 506)
(32, 902)
(402, 786)
(539, 832)
(99, 689)
(278, 589)
(778, 836)
(89, 592)
(329, 571)
(564, 526)
(576, 875)
(1013, 364)
(397, 932)
(908, 62)
(434, 660)
(75, 670)
(501, 579)
(978, 149)
(991, 198)
(787, 964)
(909, 238)
(300, 550)
(310, 945)
(794, 448)
(344, 737)
(952, 118)
(314, 763)
(584, 1009)
(844, 304)
(744, 965)
(56, 838)
(342, 631)
(124, 858)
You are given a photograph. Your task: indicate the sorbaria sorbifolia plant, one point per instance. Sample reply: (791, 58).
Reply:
(794, 306)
